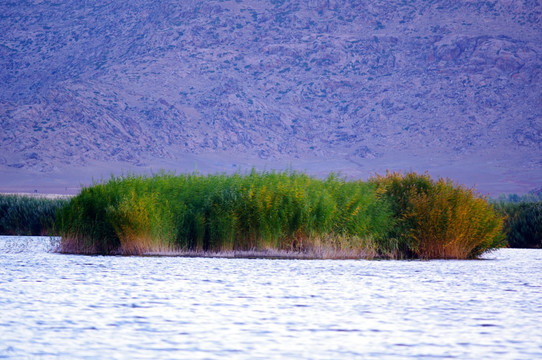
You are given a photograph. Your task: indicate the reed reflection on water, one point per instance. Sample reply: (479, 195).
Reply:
(90, 307)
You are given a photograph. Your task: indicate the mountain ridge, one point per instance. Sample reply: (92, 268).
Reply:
(147, 83)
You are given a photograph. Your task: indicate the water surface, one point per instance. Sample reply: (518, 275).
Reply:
(55, 306)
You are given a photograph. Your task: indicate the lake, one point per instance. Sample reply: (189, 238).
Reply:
(55, 306)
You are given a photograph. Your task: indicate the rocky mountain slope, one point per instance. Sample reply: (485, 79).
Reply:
(152, 82)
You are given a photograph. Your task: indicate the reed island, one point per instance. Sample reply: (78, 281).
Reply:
(280, 214)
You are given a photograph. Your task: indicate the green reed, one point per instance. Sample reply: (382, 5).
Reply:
(255, 211)
(523, 220)
(24, 215)
(394, 216)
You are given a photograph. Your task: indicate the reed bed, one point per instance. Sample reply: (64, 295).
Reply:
(438, 219)
(523, 221)
(283, 211)
(277, 212)
(25, 215)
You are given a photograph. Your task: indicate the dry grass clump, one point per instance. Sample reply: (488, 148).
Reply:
(438, 219)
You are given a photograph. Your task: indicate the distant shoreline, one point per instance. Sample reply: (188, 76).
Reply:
(39, 195)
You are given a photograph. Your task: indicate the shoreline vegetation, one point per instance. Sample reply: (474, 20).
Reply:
(29, 214)
(523, 219)
(280, 215)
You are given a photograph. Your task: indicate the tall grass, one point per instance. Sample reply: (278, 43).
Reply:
(273, 210)
(523, 220)
(23, 215)
(438, 219)
(397, 216)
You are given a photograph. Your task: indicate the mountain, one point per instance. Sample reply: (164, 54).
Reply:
(454, 87)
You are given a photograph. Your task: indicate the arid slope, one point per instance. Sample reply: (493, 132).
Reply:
(454, 87)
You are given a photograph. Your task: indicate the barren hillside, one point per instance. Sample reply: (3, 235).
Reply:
(454, 87)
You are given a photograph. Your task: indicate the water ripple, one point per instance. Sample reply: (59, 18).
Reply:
(62, 306)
